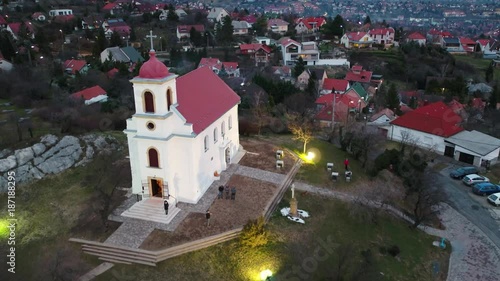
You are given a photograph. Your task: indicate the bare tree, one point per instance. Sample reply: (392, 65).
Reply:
(259, 110)
(424, 198)
(301, 129)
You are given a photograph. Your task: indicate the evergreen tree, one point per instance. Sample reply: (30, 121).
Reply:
(101, 43)
(392, 98)
(299, 67)
(334, 28)
(489, 73)
(260, 26)
(115, 40)
(311, 85)
(367, 20)
(226, 31)
(6, 46)
(171, 15)
(494, 97)
(195, 37)
(132, 36)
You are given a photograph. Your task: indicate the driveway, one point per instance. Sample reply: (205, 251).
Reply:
(474, 208)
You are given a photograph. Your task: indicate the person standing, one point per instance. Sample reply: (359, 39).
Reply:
(165, 206)
(207, 216)
(226, 189)
(221, 190)
(346, 164)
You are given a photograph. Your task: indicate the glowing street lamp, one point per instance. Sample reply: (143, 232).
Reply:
(265, 274)
(310, 156)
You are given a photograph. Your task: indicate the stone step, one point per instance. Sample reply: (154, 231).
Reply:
(159, 217)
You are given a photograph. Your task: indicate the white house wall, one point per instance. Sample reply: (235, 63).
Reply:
(492, 156)
(421, 139)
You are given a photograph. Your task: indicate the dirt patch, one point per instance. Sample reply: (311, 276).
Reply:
(252, 196)
(261, 154)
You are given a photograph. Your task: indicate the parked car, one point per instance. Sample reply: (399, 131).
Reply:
(494, 199)
(473, 179)
(462, 172)
(485, 188)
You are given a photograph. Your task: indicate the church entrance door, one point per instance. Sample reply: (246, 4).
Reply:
(156, 189)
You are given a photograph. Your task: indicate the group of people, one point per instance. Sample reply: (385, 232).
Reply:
(230, 192)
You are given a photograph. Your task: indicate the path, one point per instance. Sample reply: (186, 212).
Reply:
(474, 256)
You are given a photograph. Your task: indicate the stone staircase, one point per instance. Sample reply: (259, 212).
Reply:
(151, 209)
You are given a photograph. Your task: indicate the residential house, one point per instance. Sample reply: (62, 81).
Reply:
(487, 47)
(416, 37)
(126, 55)
(358, 74)
(427, 126)
(277, 26)
(90, 95)
(435, 36)
(481, 88)
(5, 65)
(356, 40)
(309, 25)
(382, 117)
(231, 68)
(452, 45)
(217, 14)
(264, 40)
(92, 22)
(116, 25)
(357, 90)
(183, 31)
(240, 27)
(303, 78)
(282, 72)
(251, 19)
(469, 45)
(291, 50)
(384, 36)
(113, 8)
(473, 147)
(38, 16)
(73, 66)
(181, 13)
(60, 12)
(337, 86)
(260, 53)
(16, 27)
(345, 106)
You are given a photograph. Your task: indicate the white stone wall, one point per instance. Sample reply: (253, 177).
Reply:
(424, 140)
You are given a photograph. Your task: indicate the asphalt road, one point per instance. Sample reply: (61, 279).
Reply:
(474, 209)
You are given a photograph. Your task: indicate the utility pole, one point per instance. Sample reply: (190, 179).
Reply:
(333, 111)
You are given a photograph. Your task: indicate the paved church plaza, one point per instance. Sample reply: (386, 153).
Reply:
(256, 179)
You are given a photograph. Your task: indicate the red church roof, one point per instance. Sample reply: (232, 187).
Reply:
(153, 68)
(435, 118)
(203, 98)
(89, 93)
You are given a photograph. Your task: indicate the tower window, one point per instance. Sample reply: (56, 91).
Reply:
(169, 99)
(215, 135)
(230, 122)
(149, 106)
(223, 128)
(153, 158)
(206, 143)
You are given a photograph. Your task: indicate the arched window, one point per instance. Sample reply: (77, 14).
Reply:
(230, 122)
(169, 99)
(223, 128)
(149, 105)
(153, 158)
(215, 135)
(206, 143)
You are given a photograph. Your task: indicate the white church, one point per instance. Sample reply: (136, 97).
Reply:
(183, 134)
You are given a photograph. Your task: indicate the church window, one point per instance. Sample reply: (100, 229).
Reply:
(169, 99)
(153, 158)
(215, 135)
(230, 122)
(206, 143)
(149, 106)
(151, 126)
(223, 128)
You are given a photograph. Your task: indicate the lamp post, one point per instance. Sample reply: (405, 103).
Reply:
(62, 38)
(161, 47)
(442, 91)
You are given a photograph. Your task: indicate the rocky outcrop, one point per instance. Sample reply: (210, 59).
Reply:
(51, 156)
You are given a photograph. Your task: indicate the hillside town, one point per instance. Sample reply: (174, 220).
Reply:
(160, 134)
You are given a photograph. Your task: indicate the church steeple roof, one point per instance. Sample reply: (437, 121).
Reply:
(153, 68)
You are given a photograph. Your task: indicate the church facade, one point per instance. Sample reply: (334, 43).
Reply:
(183, 134)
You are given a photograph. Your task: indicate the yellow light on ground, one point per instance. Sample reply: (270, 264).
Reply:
(310, 156)
(265, 273)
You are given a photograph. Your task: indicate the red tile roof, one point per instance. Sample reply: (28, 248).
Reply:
(287, 41)
(435, 118)
(342, 104)
(153, 68)
(467, 41)
(2, 20)
(74, 65)
(110, 6)
(364, 76)
(355, 36)
(255, 47)
(483, 42)
(382, 31)
(89, 93)
(203, 98)
(416, 36)
(112, 72)
(251, 19)
(337, 84)
(187, 28)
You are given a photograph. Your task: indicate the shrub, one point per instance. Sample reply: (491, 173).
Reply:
(394, 250)
(254, 233)
(384, 160)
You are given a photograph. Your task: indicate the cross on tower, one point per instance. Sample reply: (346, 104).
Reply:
(151, 36)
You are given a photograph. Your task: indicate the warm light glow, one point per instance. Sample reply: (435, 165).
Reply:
(310, 156)
(265, 273)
